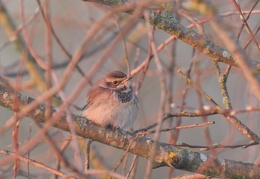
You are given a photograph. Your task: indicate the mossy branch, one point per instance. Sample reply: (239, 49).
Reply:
(166, 154)
(166, 20)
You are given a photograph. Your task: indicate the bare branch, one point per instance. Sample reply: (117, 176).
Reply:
(170, 24)
(166, 155)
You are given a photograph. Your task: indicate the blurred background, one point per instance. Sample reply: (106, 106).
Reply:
(71, 21)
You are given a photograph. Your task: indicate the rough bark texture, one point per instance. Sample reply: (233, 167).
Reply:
(166, 155)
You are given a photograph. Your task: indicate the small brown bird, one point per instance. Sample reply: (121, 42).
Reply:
(111, 101)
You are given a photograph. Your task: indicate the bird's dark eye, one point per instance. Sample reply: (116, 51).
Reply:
(115, 82)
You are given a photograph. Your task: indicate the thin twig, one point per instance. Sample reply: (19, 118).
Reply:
(34, 163)
(232, 119)
(132, 167)
(222, 79)
(125, 153)
(87, 157)
(181, 127)
(162, 98)
(244, 20)
(124, 47)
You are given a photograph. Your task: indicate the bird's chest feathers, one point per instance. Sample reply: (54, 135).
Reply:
(125, 95)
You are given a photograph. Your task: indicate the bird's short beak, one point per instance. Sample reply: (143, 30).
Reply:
(127, 79)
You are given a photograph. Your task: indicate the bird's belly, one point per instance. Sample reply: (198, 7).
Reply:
(120, 115)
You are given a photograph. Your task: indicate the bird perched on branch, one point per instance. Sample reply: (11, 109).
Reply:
(111, 101)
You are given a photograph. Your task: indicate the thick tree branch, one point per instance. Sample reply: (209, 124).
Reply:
(166, 21)
(166, 155)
